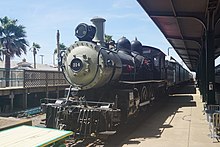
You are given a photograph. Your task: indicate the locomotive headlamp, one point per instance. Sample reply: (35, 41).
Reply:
(85, 32)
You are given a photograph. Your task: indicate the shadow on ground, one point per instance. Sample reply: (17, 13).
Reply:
(155, 120)
(189, 89)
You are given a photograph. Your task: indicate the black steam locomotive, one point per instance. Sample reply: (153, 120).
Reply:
(110, 82)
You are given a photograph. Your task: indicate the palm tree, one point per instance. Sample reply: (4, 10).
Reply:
(35, 48)
(62, 48)
(12, 40)
(1, 53)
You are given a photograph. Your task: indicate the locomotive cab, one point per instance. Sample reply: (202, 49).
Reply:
(157, 59)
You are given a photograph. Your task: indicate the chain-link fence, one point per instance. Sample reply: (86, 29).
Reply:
(31, 78)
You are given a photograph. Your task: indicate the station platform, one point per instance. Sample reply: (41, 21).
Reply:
(181, 122)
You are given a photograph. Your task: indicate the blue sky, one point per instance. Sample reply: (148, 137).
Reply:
(42, 18)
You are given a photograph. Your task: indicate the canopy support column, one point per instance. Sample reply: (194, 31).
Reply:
(210, 60)
(203, 75)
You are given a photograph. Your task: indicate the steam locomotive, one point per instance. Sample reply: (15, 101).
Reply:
(110, 82)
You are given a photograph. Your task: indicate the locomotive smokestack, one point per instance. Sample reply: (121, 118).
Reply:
(99, 24)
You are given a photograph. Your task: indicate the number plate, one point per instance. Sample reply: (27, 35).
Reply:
(76, 65)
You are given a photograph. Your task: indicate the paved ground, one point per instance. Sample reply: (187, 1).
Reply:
(37, 120)
(9, 122)
(180, 123)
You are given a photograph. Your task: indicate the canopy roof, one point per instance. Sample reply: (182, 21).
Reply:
(184, 23)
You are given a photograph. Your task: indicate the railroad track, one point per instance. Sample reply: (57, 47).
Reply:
(89, 142)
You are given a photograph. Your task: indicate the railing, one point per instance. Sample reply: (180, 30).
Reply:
(215, 126)
(213, 116)
(31, 78)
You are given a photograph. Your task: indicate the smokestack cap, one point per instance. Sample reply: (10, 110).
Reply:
(97, 19)
(98, 22)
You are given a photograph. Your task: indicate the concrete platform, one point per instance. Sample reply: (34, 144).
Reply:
(180, 123)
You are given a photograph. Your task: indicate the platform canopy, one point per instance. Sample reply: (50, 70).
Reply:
(184, 24)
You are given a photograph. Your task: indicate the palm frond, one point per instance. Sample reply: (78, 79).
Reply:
(12, 37)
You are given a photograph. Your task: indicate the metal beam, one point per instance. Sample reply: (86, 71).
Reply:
(177, 21)
(190, 39)
(190, 49)
(192, 60)
(197, 55)
(180, 15)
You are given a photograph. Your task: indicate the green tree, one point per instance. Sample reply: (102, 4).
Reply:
(12, 40)
(35, 48)
(108, 38)
(62, 48)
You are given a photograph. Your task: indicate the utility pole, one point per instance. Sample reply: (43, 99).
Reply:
(58, 49)
(42, 59)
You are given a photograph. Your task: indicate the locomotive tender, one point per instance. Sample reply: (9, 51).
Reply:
(110, 83)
